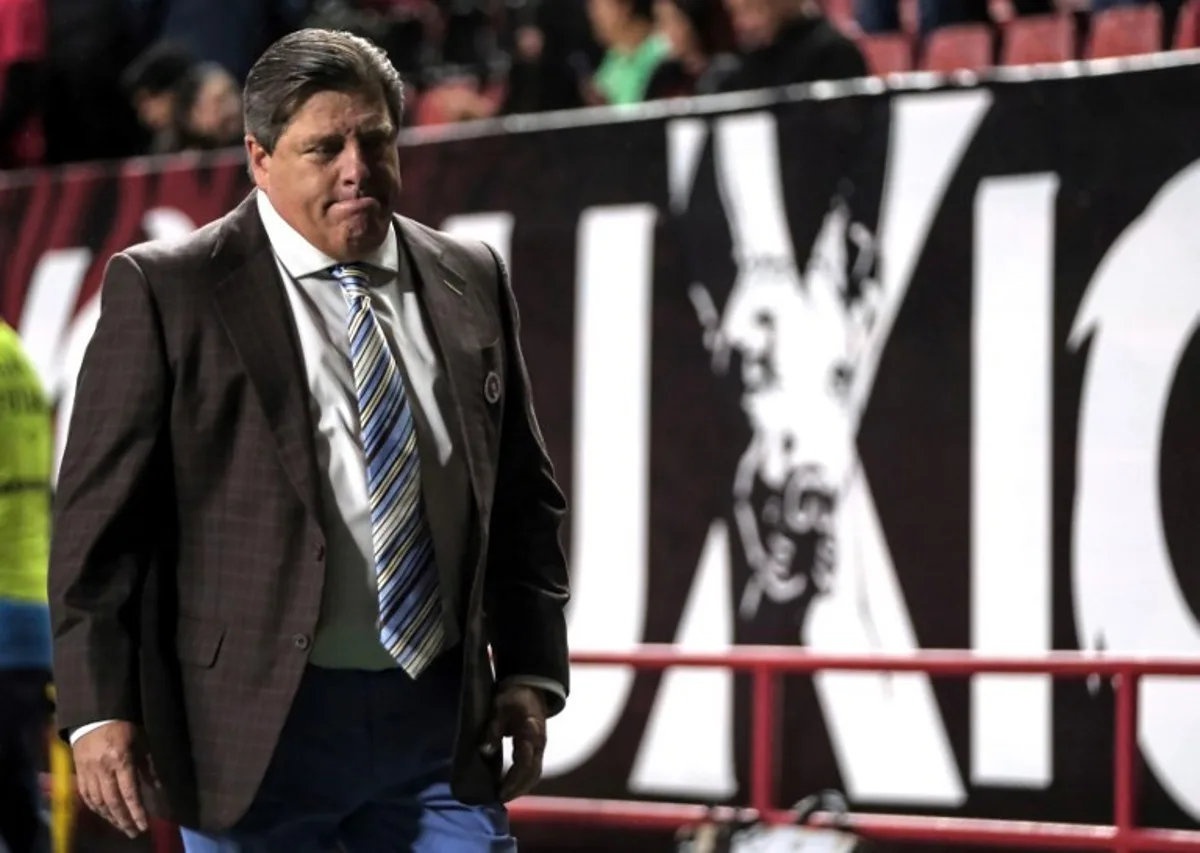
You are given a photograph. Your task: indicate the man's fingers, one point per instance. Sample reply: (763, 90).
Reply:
(526, 770)
(113, 808)
(493, 738)
(533, 732)
(88, 791)
(127, 783)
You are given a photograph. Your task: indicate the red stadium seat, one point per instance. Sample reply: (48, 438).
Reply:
(1037, 39)
(888, 53)
(959, 47)
(1187, 27)
(1125, 31)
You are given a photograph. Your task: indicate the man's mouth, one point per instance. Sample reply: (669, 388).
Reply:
(356, 205)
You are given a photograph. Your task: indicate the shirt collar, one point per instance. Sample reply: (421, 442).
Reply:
(302, 259)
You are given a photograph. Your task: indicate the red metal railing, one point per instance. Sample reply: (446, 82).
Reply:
(767, 664)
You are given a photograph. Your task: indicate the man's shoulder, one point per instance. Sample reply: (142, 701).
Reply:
(465, 255)
(190, 255)
(170, 253)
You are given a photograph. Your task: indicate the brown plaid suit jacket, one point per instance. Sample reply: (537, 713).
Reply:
(188, 555)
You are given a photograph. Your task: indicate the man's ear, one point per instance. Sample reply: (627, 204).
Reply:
(259, 160)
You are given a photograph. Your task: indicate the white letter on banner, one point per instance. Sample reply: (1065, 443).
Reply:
(57, 335)
(687, 748)
(167, 223)
(49, 306)
(610, 519)
(1140, 313)
(54, 335)
(495, 229)
(1011, 427)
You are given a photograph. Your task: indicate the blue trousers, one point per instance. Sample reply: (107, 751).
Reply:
(363, 766)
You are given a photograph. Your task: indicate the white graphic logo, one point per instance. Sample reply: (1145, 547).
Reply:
(809, 341)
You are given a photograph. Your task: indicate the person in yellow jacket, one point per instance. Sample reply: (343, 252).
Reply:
(26, 460)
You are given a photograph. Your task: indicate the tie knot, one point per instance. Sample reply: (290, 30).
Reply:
(353, 278)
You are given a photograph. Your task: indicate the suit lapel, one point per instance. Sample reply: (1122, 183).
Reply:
(444, 297)
(258, 319)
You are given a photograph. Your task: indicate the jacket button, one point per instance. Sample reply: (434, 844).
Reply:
(301, 642)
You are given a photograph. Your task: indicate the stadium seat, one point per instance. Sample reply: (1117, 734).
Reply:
(1125, 31)
(1187, 26)
(887, 54)
(1037, 39)
(958, 47)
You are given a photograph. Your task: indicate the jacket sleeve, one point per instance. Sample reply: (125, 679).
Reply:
(527, 584)
(113, 470)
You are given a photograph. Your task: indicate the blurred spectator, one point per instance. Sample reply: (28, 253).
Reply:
(554, 54)
(408, 31)
(207, 109)
(150, 83)
(700, 36)
(26, 458)
(883, 16)
(22, 65)
(86, 115)
(786, 42)
(469, 37)
(633, 49)
(231, 33)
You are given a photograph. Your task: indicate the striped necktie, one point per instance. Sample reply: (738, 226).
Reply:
(410, 611)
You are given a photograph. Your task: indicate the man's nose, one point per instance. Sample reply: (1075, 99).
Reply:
(355, 167)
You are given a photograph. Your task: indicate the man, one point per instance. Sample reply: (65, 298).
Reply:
(207, 112)
(25, 463)
(304, 491)
(150, 82)
(786, 42)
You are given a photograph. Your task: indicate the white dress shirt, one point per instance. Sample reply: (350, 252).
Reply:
(347, 635)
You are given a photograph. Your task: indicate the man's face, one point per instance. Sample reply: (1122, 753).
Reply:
(335, 173)
(154, 110)
(755, 22)
(217, 113)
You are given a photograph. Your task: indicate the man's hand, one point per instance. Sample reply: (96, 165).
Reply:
(518, 712)
(108, 765)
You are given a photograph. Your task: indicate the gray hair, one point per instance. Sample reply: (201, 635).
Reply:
(309, 61)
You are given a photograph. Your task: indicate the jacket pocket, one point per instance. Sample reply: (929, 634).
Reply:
(198, 641)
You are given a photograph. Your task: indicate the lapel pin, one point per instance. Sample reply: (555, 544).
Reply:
(491, 388)
(452, 287)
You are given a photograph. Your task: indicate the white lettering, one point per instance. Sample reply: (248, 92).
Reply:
(609, 536)
(54, 338)
(695, 759)
(167, 223)
(495, 229)
(1011, 428)
(1140, 313)
(49, 305)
